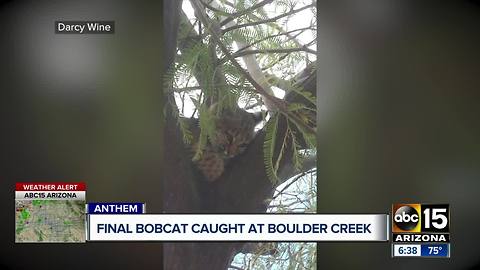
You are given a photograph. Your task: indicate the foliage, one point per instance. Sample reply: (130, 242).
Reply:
(269, 147)
(202, 76)
(298, 195)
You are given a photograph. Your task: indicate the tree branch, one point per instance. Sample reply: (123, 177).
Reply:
(280, 192)
(289, 170)
(253, 68)
(212, 8)
(281, 30)
(272, 36)
(198, 87)
(291, 12)
(279, 104)
(245, 11)
(187, 89)
(281, 50)
(193, 39)
(285, 85)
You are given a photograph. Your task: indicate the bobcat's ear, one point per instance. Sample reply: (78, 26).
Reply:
(257, 117)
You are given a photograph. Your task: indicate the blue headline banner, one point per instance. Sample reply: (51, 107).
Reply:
(115, 208)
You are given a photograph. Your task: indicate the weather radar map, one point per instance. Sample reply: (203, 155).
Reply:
(49, 221)
(50, 212)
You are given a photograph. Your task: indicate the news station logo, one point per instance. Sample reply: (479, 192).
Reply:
(406, 218)
(421, 222)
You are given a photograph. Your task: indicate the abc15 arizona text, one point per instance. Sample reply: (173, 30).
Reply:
(421, 223)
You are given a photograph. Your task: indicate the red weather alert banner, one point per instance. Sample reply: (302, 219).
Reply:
(50, 186)
(50, 191)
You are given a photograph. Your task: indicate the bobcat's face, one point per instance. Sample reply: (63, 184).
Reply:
(231, 143)
(233, 134)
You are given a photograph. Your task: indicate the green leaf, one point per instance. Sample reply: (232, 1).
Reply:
(187, 134)
(269, 147)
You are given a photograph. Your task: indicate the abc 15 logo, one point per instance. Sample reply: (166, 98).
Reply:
(417, 218)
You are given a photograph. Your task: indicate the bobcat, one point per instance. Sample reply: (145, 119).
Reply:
(234, 130)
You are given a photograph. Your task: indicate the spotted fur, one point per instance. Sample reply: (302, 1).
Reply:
(233, 133)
